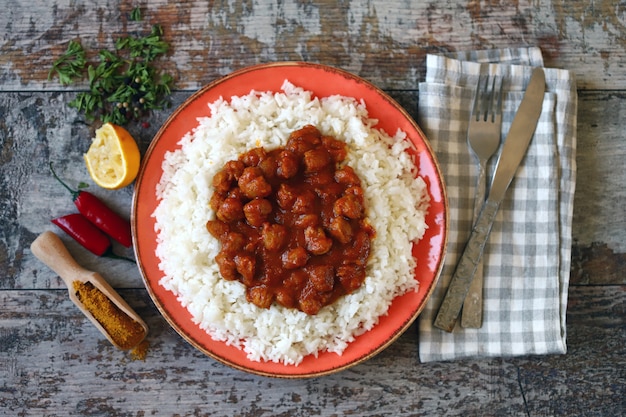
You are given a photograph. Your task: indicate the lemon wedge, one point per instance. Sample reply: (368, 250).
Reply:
(113, 158)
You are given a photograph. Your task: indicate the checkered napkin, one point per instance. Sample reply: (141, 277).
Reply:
(527, 257)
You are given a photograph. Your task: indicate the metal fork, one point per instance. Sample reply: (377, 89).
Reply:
(483, 137)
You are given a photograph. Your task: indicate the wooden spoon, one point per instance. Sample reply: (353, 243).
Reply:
(49, 249)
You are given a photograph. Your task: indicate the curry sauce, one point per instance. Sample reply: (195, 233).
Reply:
(291, 223)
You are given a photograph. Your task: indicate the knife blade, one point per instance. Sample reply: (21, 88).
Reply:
(515, 146)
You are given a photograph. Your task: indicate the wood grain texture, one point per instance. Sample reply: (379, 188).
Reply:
(176, 379)
(599, 224)
(384, 41)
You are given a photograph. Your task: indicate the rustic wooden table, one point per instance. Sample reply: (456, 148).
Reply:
(54, 362)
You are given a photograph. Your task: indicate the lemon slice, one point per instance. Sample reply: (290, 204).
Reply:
(113, 157)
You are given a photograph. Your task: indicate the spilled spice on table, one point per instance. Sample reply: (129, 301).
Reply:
(125, 331)
(139, 352)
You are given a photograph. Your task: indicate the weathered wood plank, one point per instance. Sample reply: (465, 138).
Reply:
(384, 41)
(52, 358)
(599, 224)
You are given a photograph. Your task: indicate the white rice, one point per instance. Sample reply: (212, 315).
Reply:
(396, 207)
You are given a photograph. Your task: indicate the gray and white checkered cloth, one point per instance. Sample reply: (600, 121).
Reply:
(527, 257)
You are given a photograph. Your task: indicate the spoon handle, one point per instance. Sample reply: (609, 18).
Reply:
(50, 250)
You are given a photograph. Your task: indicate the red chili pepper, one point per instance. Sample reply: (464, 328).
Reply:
(89, 236)
(84, 232)
(100, 214)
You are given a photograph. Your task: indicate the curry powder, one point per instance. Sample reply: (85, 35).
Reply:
(125, 331)
(140, 351)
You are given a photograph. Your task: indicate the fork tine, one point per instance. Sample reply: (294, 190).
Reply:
(488, 98)
(478, 106)
(495, 107)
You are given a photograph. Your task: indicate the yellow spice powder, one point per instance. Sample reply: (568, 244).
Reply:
(125, 331)
(140, 351)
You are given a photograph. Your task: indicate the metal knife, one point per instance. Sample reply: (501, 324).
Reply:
(514, 149)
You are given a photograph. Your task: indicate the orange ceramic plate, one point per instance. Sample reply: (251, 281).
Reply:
(322, 81)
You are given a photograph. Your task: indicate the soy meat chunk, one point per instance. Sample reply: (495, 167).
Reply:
(306, 220)
(303, 140)
(226, 265)
(340, 229)
(296, 280)
(357, 191)
(321, 180)
(287, 164)
(216, 201)
(316, 240)
(253, 184)
(350, 206)
(253, 157)
(322, 277)
(299, 146)
(233, 242)
(295, 258)
(257, 211)
(231, 172)
(306, 131)
(245, 265)
(221, 182)
(230, 210)
(328, 193)
(268, 166)
(260, 296)
(285, 297)
(315, 160)
(235, 168)
(273, 236)
(347, 176)
(336, 148)
(235, 192)
(286, 196)
(350, 276)
(304, 203)
(360, 247)
(310, 304)
(252, 245)
(217, 228)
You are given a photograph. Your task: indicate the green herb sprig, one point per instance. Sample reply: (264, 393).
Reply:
(125, 85)
(135, 15)
(70, 65)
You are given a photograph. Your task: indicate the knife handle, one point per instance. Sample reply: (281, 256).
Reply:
(466, 267)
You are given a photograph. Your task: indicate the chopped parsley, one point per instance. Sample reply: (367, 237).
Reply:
(124, 84)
